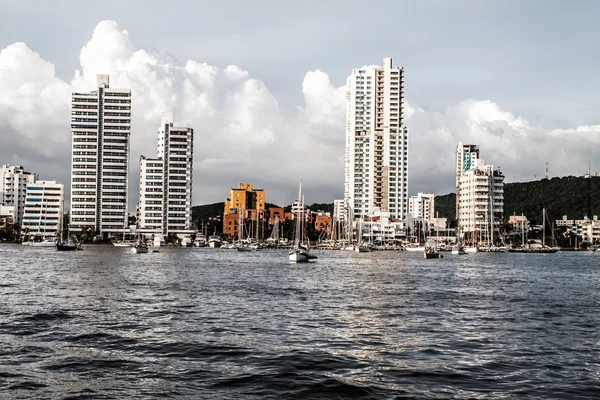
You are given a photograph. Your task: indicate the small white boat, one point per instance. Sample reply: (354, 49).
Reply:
(26, 243)
(471, 249)
(122, 244)
(214, 242)
(415, 248)
(200, 241)
(44, 243)
(298, 254)
(458, 251)
(363, 248)
(186, 241)
(159, 240)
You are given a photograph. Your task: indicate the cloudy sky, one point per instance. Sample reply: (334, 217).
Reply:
(262, 84)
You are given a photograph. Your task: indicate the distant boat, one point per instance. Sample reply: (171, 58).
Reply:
(44, 243)
(431, 252)
(139, 247)
(186, 241)
(214, 242)
(458, 251)
(299, 253)
(159, 240)
(69, 245)
(200, 240)
(414, 248)
(123, 244)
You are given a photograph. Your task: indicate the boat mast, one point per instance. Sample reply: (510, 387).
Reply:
(298, 232)
(544, 228)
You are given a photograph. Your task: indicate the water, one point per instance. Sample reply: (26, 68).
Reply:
(212, 323)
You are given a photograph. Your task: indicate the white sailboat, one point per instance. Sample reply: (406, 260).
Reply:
(299, 253)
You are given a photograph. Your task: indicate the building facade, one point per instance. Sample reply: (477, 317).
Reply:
(481, 202)
(466, 157)
(13, 188)
(422, 206)
(244, 202)
(100, 128)
(43, 213)
(376, 155)
(165, 200)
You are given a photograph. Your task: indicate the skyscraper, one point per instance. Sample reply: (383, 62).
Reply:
(100, 126)
(165, 203)
(376, 157)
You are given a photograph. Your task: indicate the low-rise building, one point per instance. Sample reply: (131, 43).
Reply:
(43, 213)
(7, 217)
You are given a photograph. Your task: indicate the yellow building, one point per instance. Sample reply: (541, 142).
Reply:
(246, 200)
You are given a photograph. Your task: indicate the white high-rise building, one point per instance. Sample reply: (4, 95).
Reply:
(422, 206)
(376, 157)
(480, 202)
(13, 187)
(467, 155)
(43, 213)
(100, 126)
(165, 203)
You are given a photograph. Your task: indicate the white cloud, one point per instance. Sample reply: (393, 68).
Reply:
(241, 132)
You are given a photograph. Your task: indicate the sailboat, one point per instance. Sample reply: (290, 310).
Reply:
(361, 246)
(140, 245)
(67, 245)
(299, 253)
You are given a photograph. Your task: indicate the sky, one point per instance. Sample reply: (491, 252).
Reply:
(262, 84)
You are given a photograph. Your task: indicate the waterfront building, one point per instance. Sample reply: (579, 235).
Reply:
(466, 157)
(586, 229)
(100, 128)
(165, 199)
(245, 201)
(481, 201)
(376, 155)
(43, 212)
(519, 222)
(7, 217)
(422, 206)
(13, 187)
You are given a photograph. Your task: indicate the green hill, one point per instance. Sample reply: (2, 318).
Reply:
(571, 196)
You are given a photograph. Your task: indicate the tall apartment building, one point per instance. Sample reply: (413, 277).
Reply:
(43, 213)
(13, 187)
(422, 206)
(480, 202)
(100, 127)
(376, 156)
(245, 200)
(165, 201)
(466, 157)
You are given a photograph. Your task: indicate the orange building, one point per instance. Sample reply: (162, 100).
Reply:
(323, 222)
(276, 211)
(244, 200)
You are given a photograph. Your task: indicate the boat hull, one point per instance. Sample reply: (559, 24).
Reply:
(458, 252)
(298, 257)
(471, 250)
(43, 244)
(416, 249)
(66, 247)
